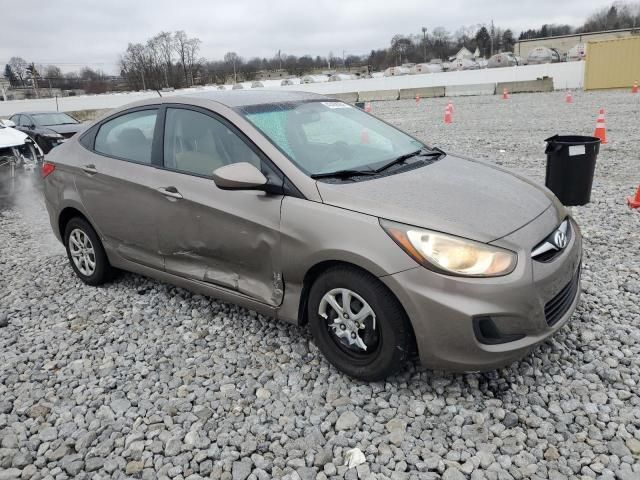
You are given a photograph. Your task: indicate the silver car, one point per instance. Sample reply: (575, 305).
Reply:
(314, 212)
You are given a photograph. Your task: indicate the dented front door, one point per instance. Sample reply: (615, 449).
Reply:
(230, 239)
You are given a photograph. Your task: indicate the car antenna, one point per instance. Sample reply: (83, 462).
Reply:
(159, 94)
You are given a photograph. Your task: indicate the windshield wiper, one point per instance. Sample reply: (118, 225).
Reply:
(434, 152)
(343, 173)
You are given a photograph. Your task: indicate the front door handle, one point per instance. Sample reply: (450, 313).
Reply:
(90, 169)
(170, 192)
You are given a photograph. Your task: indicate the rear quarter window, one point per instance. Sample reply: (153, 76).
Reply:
(129, 136)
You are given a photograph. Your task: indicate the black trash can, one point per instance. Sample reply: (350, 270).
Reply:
(571, 162)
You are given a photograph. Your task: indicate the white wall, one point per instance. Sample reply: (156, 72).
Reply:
(565, 75)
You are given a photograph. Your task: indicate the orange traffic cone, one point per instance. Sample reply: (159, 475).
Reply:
(364, 137)
(634, 202)
(634, 89)
(569, 98)
(448, 117)
(601, 130)
(417, 98)
(367, 107)
(505, 94)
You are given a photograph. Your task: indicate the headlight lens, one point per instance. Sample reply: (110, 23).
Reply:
(53, 135)
(451, 255)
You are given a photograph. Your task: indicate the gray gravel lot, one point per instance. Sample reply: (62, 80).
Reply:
(141, 379)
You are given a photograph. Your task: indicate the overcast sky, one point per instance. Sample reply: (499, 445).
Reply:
(72, 33)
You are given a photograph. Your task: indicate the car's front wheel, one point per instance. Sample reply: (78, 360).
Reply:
(86, 254)
(358, 324)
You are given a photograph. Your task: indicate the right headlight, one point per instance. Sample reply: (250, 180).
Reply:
(52, 135)
(451, 255)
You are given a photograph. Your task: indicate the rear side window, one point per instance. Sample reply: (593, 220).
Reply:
(129, 136)
(199, 144)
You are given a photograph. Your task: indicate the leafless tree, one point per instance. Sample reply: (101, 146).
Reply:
(166, 45)
(232, 59)
(19, 68)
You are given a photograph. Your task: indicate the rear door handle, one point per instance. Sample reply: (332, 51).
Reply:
(170, 192)
(90, 169)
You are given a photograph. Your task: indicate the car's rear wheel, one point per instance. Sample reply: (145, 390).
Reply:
(85, 252)
(358, 324)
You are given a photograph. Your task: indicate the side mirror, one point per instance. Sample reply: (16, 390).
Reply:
(239, 176)
(8, 123)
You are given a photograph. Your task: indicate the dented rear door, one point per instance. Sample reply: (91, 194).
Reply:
(230, 239)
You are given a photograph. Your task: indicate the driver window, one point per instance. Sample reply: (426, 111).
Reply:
(199, 144)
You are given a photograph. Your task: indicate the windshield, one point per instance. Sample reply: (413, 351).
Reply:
(322, 137)
(47, 119)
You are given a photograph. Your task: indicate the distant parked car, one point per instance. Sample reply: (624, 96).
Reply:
(48, 129)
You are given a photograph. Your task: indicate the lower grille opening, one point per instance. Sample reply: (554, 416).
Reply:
(487, 332)
(555, 308)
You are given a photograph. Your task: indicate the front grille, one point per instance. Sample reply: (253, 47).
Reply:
(559, 305)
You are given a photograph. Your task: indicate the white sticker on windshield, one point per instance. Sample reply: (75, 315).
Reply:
(576, 150)
(335, 105)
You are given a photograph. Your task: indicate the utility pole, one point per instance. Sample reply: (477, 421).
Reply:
(424, 43)
(492, 34)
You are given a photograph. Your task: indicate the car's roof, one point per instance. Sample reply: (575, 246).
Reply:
(37, 112)
(242, 98)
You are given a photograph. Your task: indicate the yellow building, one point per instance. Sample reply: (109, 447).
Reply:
(612, 63)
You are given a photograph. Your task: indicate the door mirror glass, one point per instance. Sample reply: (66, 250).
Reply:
(239, 176)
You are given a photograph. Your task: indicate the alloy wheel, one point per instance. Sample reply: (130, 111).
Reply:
(82, 252)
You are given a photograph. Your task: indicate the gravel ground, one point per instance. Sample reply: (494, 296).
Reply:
(141, 379)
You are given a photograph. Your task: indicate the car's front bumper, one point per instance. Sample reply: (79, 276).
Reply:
(445, 311)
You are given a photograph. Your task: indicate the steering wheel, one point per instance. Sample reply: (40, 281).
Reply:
(338, 152)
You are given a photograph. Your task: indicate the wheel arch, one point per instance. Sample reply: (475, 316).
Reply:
(66, 215)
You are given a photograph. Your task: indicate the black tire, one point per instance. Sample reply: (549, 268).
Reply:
(394, 337)
(103, 271)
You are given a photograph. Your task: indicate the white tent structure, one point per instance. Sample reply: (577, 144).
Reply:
(464, 64)
(396, 71)
(290, 81)
(338, 77)
(505, 59)
(420, 68)
(315, 79)
(540, 55)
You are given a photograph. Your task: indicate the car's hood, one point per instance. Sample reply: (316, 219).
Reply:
(10, 137)
(454, 195)
(70, 128)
